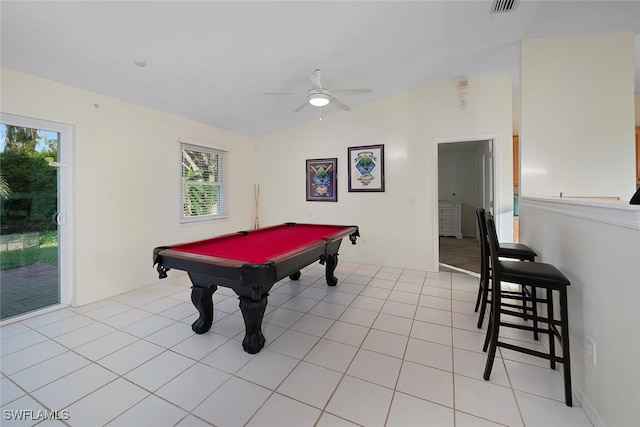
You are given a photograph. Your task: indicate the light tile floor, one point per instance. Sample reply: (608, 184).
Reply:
(386, 347)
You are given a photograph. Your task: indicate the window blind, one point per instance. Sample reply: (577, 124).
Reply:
(205, 179)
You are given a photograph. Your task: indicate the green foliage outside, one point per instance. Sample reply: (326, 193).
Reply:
(29, 256)
(28, 194)
(199, 198)
(200, 174)
(49, 238)
(4, 188)
(29, 200)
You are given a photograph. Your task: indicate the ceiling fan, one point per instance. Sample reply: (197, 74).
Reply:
(319, 96)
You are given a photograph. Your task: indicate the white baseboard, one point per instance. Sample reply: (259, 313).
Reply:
(591, 412)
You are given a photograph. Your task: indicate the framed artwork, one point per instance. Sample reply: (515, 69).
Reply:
(322, 180)
(366, 168)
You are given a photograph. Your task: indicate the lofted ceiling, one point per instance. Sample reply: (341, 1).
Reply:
(212, 61)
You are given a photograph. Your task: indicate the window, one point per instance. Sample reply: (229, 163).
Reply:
(204, 183)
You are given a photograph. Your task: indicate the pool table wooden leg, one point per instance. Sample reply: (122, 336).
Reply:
(202, 299)
(331, 261)
(295, 276)
(253, 312)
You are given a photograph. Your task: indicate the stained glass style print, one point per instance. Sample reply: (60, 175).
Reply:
(321, 180)
(366, 168)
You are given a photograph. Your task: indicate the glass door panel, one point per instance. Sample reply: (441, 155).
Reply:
(29, 232)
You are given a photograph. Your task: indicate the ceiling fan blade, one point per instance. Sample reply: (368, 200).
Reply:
(350, 91)
(315, 80)
(301, 106)
(340, 104)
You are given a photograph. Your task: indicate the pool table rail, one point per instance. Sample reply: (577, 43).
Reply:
(251, 281)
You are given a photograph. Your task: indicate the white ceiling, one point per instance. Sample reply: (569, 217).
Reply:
(212, 61)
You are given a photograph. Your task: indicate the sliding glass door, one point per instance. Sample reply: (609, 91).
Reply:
(32, 216)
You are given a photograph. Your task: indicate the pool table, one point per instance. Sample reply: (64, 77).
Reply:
(251, 262)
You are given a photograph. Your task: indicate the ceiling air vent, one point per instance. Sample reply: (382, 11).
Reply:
(502, 6)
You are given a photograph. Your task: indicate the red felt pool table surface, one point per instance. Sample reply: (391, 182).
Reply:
(263, 244)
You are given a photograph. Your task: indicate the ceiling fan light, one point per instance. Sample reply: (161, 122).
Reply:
(319, 99)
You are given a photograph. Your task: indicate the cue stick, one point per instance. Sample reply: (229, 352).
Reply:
(256, 194)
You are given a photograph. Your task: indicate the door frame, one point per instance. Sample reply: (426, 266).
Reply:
(493, 139)
(65, 207)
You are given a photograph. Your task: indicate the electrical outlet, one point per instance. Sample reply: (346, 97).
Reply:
(591, 350)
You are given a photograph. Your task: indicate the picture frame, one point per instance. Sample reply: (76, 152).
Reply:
(321, 178)
(366, 168)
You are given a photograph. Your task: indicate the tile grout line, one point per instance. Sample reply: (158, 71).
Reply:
(273, 390)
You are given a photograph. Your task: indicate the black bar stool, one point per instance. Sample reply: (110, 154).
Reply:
(518, 251)
(539, 276)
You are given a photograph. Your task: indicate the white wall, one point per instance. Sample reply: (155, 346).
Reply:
(596, 245)
(458, 170)
(126, 183)
(577, 137)
(126, 171)
(398, 226)
(577, 116)
(456, 181)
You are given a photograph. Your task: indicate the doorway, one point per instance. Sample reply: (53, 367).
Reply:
(34, 215)
(465, 178)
